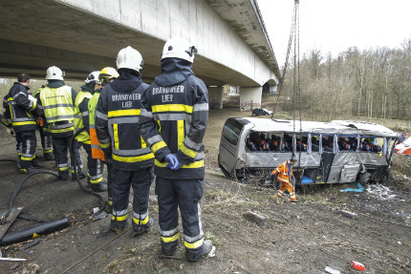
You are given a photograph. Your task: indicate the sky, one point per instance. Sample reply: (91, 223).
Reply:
(335, 25)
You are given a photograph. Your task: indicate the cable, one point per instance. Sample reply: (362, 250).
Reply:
(103, 201)
(37, 172)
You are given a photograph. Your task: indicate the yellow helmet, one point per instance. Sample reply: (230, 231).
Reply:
(107, 74)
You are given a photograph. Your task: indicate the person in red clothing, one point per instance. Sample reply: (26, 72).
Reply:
(285, 172)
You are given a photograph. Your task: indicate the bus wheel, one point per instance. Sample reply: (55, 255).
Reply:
(365, 178)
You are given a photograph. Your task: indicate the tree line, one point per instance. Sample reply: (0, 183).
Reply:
(373, 83)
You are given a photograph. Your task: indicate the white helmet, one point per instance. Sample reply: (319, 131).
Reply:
(130, 58)
(178, 48)
(54, 73)
(93, 77)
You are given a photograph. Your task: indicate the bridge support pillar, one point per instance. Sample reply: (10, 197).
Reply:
(250, 98)
(215, 97)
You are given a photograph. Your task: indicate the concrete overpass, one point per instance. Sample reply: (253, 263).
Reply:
(80, 36)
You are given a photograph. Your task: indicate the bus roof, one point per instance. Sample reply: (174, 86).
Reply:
(340, 127)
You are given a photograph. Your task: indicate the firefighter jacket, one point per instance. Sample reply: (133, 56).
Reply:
(117, 116)
(285, 171)
(174, 119)
(81, 114)
(19, 106)
(57, 102)
(96, 152)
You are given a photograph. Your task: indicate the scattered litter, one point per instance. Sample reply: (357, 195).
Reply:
(380, 192)
(12, 259)
(212, 252)
(100, 216)
(348, 214)
(31, 244)
(332, 270)
(14, 266)
(31, 269)
(359, 189)
(257, 218)
(30, 252)
(358, 265)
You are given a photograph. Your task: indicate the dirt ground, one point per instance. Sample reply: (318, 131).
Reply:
(326, 228)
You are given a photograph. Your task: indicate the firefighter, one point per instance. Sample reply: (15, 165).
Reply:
(81, 126)
(117, 116)
(285, 172)
(173, 123)
(57, 102)
(106, 76)
(45, 134)
(19, 105)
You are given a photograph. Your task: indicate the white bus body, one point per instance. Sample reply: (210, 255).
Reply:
(327, 152)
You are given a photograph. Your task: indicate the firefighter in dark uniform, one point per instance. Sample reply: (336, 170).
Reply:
(173, 123)
(117, 116)
(81, 125)
(19, 105)
(57, 102)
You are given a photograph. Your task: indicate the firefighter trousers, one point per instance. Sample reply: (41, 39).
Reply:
(26, 148)
(94, 166)
(46, 141)
(140, 181)
(61, 148)
(186, 195)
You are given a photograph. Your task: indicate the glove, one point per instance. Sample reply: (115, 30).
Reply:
(173, 162)
(108, 160)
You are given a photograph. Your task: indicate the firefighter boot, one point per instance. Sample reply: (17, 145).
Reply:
(27, 170)
(207, 249)
(169, 252)
(64, 175)
(49, 156)
(99, 187)
(36, 164)
(139, 230)
(118, 226)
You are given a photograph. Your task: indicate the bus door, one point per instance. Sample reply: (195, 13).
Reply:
(327, 148)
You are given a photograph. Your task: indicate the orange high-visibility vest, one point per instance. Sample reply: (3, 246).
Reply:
(96, 151)
(283, 174)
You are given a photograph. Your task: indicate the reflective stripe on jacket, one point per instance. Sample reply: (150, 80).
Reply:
(117, 117)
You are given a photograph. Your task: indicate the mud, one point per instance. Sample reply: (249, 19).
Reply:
(325, 228)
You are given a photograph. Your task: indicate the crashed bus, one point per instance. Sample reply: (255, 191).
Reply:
(327, 152)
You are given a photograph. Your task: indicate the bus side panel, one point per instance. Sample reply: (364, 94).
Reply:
(345, 164)
(266, 159)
